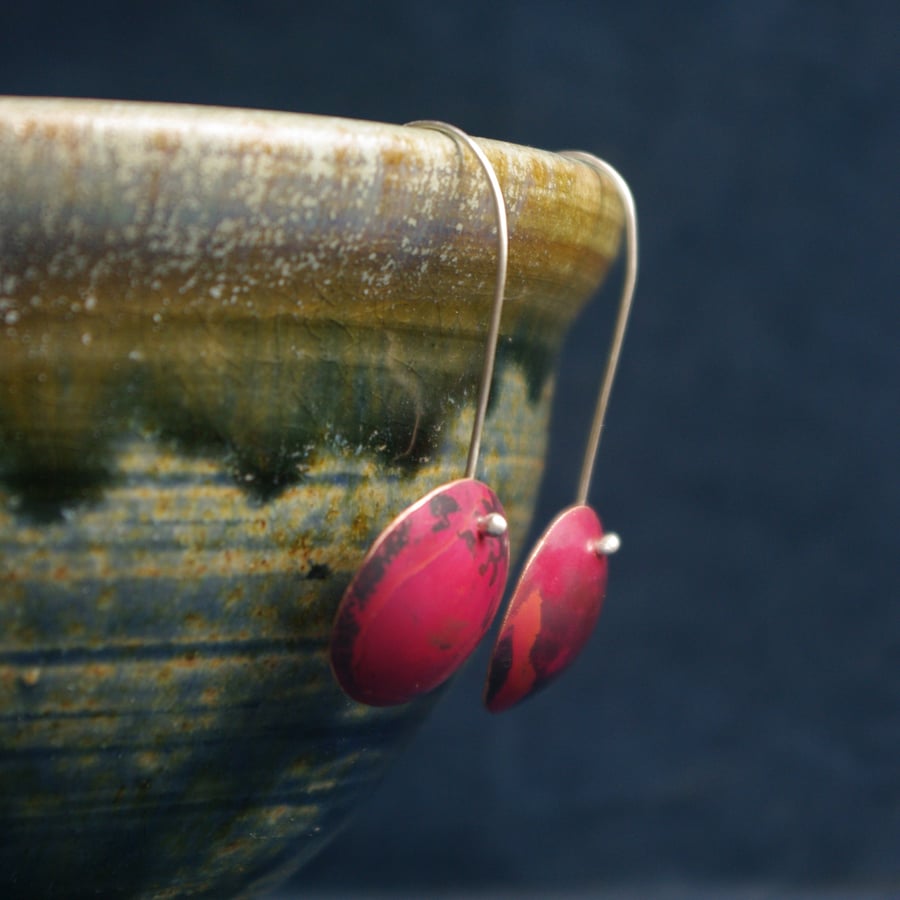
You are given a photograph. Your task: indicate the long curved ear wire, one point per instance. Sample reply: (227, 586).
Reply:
(428, 589)
(557, 601)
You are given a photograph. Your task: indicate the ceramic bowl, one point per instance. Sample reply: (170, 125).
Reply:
(233, 345)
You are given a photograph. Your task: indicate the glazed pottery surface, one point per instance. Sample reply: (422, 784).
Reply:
(233, 345)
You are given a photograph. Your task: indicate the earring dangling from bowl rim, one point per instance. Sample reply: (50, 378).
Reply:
(556, 603)
(429, 587)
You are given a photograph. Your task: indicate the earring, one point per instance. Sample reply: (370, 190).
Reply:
(555, 605)
(428, 589)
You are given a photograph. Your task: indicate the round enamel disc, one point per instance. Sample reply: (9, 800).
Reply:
(423, 598)
(553, 611)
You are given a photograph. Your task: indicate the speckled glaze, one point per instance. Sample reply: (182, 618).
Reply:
(233, 345)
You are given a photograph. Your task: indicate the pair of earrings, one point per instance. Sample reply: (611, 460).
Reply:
(429, 588)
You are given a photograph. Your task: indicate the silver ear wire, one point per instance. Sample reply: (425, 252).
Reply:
(487, 372)
(615, 349)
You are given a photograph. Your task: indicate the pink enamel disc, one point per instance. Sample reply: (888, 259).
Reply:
(423, 598)
(553, 611)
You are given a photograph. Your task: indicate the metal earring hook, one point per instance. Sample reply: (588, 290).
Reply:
(615, 349)
(428, 589)
(490, 353)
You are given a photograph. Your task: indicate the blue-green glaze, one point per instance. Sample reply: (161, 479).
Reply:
(233, 346)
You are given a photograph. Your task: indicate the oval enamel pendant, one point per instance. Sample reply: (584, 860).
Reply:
(424, 596)
(553, 611)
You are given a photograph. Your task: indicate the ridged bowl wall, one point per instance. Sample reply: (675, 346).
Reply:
(233, 345)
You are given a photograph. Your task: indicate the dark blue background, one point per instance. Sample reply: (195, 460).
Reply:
(737, 716)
